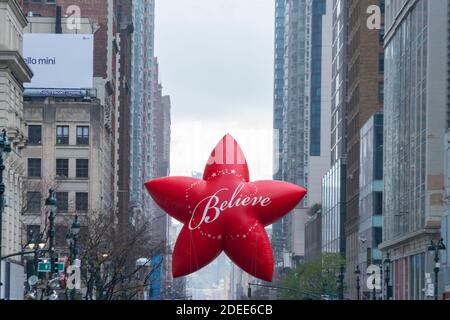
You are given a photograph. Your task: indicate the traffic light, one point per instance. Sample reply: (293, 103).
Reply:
(55, 264)
(249, 292)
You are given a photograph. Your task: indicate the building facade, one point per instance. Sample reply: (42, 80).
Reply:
(415, 112)
(365, 94)
(370, 197)
(13, 74)
(99, 19)
(122, 176)
(333, 209)
(64, 152)
(306, 111)
(334, 182)
(142, 159)
(313, 235)
(279, 227)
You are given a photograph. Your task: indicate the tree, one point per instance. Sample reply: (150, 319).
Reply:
(109, 268)
(313, 279)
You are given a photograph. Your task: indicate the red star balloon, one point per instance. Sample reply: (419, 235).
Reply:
(224, 211)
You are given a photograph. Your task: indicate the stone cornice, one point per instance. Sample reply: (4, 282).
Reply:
(14, 61)
(18, 11)
(387, 245)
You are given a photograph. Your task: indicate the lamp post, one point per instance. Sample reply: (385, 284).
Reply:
(51, 203)
(387, 276)
(436, 247)
(374, 286)
(72, 241)
(36, 245)
(358, 287)
(5, 147)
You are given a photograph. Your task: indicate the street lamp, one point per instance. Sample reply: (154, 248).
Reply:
(5, 147)
(436, 247)
(387, 277)
(374, 286)
(51, 203)
(72, 239)
(358, 287)
(37, 244)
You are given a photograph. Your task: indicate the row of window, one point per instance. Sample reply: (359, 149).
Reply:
(34, 202)
(62, 168)
(62, 135)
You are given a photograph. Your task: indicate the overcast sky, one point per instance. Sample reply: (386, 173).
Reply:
(216, 63)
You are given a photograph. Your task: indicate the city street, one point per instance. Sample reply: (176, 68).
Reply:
(239, 154)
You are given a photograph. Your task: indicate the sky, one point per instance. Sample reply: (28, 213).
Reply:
(216, 63)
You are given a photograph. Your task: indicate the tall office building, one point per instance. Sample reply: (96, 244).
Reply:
(13, 74)
(365, 62)
(122, 176)
(334, 182)
(279, 227)
(415, 114)
(370, 197)
(160, 125)
(306, 113)
(142, 160)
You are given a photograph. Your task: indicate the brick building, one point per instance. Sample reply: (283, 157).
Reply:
(364, 98)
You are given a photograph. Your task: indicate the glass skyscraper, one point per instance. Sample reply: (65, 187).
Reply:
(142, 164)
(370, 194)
(334, 182)
(302, 106)
(279, 227)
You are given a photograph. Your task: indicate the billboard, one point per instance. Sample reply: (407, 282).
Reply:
(59, 61)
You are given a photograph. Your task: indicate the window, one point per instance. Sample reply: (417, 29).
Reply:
(377, 235)
(378, 203)
(380, 91)
(63, 201)
(62, 135)
(33, 204)
(82, 168)
(81, 201)
(33, 232)
(83, 135)
(34, 168)
(62, 168)
(34, 135)
(381, 62)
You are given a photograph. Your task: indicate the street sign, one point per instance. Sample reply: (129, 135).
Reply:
(46, 266)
